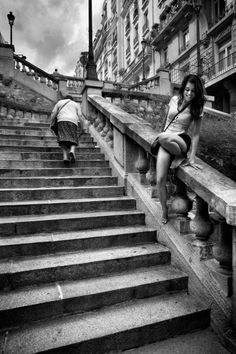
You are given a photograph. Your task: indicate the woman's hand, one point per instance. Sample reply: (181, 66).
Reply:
(191, 163)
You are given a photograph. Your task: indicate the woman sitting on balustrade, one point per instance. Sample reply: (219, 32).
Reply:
(68, 115)
(185, 110)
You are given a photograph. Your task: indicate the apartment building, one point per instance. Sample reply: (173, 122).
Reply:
(118, 49)
(138, 38)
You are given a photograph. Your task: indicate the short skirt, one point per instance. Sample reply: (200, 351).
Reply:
(68, 133)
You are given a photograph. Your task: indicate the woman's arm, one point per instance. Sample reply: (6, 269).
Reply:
(195, 141)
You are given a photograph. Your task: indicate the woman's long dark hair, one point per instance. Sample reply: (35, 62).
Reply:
(198, 101)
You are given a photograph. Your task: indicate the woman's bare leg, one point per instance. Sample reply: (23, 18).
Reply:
(163, 164)
(64, 151)
(72, 153)
(173, 143)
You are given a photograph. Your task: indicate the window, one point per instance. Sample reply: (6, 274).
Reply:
(186, 38)
(225, 57)
(165, 56)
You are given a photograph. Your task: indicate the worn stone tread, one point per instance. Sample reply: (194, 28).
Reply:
(119, 325)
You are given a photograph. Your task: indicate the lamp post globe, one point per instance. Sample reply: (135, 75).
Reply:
(11, 19)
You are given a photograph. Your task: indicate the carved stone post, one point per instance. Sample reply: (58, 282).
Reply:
(222, 252)
(201, 225)
(181, 205)
(142, 166)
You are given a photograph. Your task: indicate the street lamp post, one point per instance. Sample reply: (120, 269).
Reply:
(197, 8)
(144, 43)
(91, 66)
(11, 19)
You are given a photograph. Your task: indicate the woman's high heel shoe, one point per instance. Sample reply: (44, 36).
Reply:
(72, 156)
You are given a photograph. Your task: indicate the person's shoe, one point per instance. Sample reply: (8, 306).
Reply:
(66, 162)
(164, 220)
(72, 157)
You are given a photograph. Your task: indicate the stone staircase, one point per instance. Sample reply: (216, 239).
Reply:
(80, 272)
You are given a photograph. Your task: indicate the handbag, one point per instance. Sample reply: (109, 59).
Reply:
(155, 145)
(54, 123)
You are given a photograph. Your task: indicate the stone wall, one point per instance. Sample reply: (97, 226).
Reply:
(13, 92)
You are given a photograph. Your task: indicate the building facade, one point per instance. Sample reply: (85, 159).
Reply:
(138, 38)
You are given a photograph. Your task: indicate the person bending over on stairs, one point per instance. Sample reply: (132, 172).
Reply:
(187, 108)
(68, 114)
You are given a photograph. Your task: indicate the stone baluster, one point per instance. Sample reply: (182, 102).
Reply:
(97, 120)
(222, 251)
(201, 224)
(23, 69)
(3, 111)
(11, 113)
(105, 129)
(142, 166)
(101, 124)
(43, 79)
(221, 268)
(18, 65)
(30, 72)
(181, 205)
(152, 177)
(109, 136)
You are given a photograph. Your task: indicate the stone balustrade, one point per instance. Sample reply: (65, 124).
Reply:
(204, 202)
(22, 65)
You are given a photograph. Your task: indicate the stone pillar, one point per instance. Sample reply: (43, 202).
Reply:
(6, 61)
(89, 87)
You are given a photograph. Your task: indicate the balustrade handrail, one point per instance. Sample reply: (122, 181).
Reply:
(35, 68)
(218, 191)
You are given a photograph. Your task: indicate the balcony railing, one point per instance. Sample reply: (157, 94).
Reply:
(222, 66)
(144, 4)
(127, 51)
(135, 42)
(229, 9)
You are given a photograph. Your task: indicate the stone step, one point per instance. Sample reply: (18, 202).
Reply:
(64, 171)
(18, 225)
(25, 245)
(51, 142)
(22, 156)
(57, 181)
(39, 149)
(28, 304)
(40, 164)
(111, 328)
(61, 206)
(9, 196)
(24, 271)
(28, 135)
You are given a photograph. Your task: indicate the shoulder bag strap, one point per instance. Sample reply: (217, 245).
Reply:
(182, 109)
(59, 110)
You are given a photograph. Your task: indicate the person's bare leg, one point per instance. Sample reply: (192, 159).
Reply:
(72, 153)
(163, 164)
(65, 153)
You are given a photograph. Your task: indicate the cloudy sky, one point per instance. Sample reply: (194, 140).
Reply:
(50, 33)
